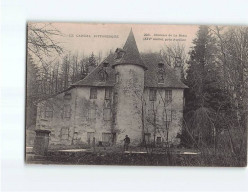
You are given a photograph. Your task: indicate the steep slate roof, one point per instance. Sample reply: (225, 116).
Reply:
(93, 79)
(131, 53)
(149, 61)
(151, 78)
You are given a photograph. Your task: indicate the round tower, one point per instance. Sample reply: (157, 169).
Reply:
(128, 92)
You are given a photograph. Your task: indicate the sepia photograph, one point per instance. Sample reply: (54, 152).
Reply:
(136, 94)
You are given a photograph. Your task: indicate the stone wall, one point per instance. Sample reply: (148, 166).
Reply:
(73, 118)
(92, 116)
(163, 117)
(128, 91)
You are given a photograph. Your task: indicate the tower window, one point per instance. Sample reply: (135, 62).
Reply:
(117, 78)
(93, 93)
(107, 93)
(49, 112)
(152, 94)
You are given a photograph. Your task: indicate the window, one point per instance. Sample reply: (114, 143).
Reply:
(107, 93)
(67, 96)
(66, 111)
(90, 137)
(64, 133)
(167, 118)
(106, 137)
(152, 95)
(168, 115)
(168, 96)
(107, 114)
(93, 93)
(147, 137)
(117, 78)
(159, 140)
(92, 114)
(48, 112)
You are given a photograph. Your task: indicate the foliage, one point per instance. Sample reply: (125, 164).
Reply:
(216, 101)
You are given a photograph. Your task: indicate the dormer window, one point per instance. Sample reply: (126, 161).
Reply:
(103, 75)
(119, 53)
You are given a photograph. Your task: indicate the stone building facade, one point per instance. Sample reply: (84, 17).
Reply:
(127, 94)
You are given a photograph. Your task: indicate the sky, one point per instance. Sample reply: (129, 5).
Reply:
(87, 38)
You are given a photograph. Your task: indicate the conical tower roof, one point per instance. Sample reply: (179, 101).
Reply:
(129, 54)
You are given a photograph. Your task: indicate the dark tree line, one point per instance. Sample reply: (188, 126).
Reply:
(216, 101)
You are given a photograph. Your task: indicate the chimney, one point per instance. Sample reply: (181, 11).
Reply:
(178, 67)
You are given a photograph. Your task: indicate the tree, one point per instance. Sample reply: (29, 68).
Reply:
(41, 44)
(92, 62)
(41, 41)
(232, 43)
(173, 54)
(204, 96)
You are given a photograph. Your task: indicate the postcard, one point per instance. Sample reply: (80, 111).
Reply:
(136, 94)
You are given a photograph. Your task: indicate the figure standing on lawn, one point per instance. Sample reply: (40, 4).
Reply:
(126, 143)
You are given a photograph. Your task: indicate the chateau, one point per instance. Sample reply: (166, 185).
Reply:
(127, 94)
